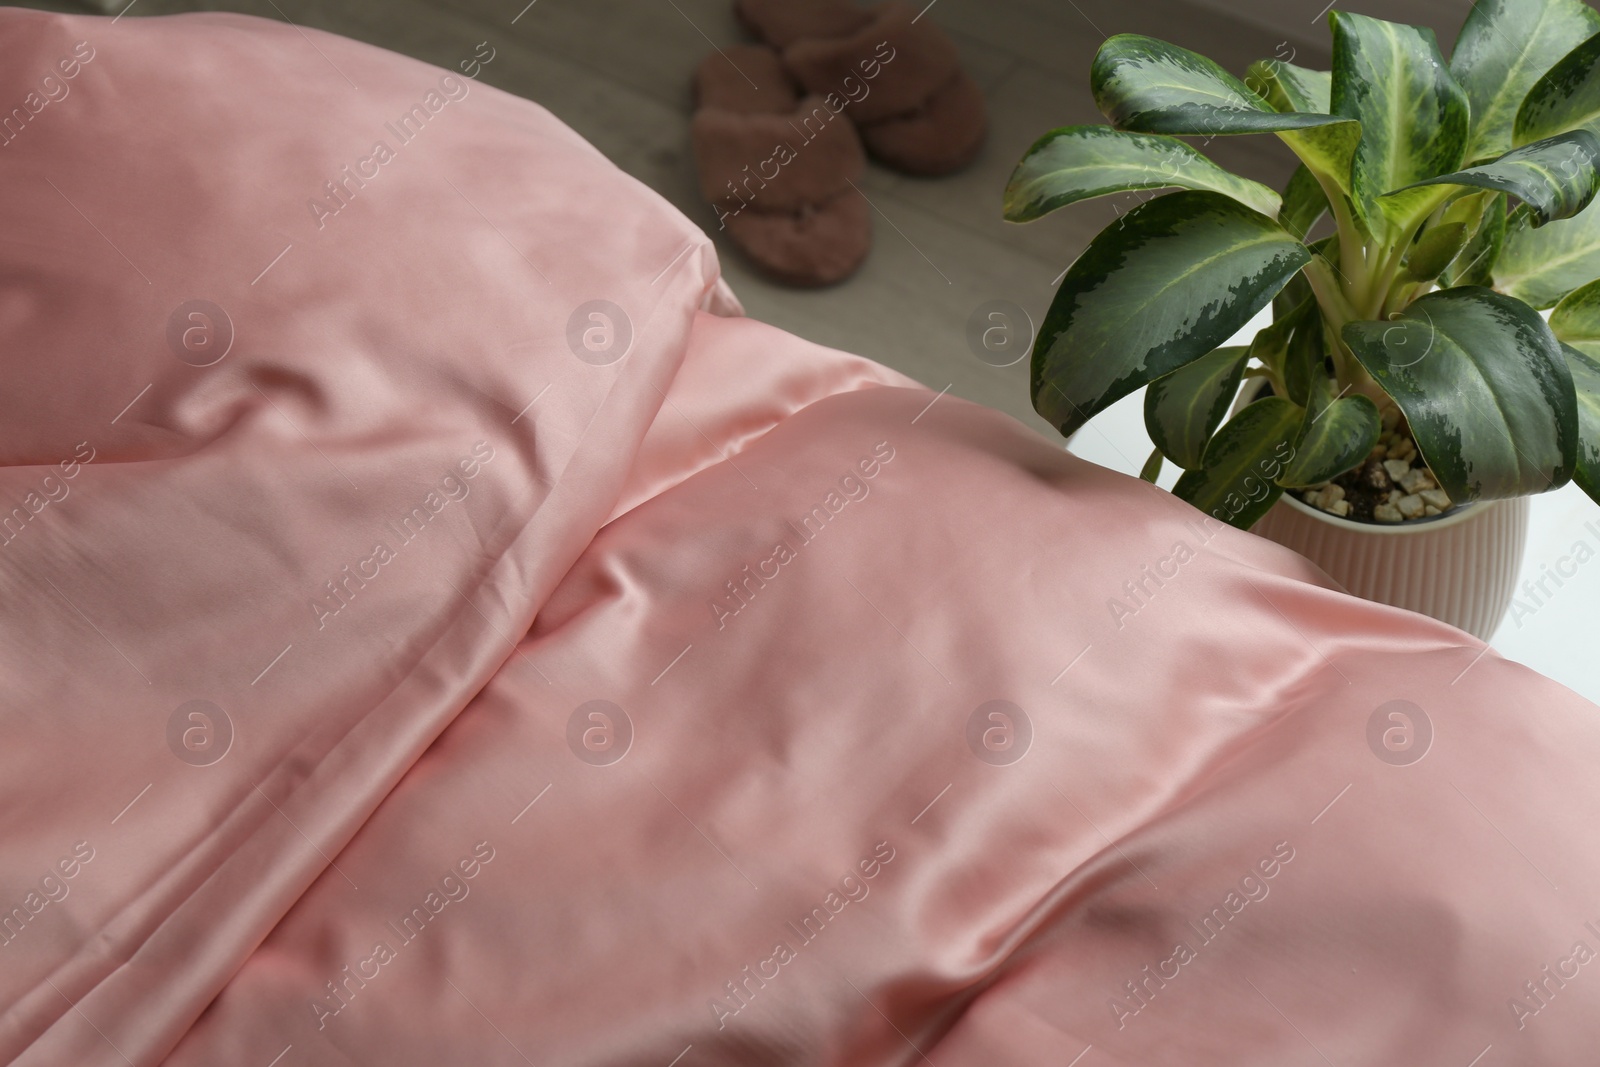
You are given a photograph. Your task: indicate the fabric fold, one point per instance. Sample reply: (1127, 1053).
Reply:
(439, 630)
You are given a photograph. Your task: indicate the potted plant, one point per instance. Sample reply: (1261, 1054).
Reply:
(1408, 395)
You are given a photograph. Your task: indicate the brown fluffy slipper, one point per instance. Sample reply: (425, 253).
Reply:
(778, 169)
(898, 77)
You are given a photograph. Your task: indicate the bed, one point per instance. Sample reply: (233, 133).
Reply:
(439, 628)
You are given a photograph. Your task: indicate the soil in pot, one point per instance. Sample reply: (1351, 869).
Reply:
(1393, 485)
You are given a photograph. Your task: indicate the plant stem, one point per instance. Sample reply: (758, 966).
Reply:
(1352, 249)
(1336, 312)
(1403, 295)
(1381, 296)
(1272, 376)
(1336, 306)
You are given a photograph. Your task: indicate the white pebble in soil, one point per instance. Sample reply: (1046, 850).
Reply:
(1416, 480)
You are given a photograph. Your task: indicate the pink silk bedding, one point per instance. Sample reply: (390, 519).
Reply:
(404, 667)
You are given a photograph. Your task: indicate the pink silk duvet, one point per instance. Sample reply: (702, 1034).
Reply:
(437, 630)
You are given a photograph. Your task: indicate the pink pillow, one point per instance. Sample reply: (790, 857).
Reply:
(315, 358)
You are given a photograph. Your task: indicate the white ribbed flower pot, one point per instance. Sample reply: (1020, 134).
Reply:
(1460, 567)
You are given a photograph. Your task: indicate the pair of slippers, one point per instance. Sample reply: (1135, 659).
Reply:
(782, 128)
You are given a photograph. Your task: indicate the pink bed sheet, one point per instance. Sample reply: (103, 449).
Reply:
(395, 675)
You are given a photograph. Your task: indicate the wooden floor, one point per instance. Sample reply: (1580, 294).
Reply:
(617, 71)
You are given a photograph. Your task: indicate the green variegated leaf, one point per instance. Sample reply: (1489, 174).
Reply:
(1290, 88)
(1413, 115)
(1555, 177)
(1586, 379)
(1566, 98)
(1183, 409)
(1576, 320)
(1304, 203)
(1296, 292)
(1239, 480)
(1504, 47)
(1475, 264)
(1305, 362)
(1576, 323)
(1541, 265)
(1169, 282)
(1152, 467)
(1298, 289)
(1436, 249)
(1484, 387)
(1269, 343)
(1080, 162)
(1339, 433)
(1468, 208)
(1326, 150)
(1274, 346)
(1151, 86)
